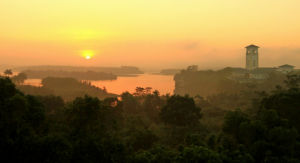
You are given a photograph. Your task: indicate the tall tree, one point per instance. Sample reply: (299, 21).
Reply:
(180, 111)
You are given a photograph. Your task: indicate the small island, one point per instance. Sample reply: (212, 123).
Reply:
(67, 88)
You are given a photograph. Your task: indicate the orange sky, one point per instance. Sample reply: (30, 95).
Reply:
(148, 33)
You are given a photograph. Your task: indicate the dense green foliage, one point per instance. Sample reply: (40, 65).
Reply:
(180, 111)
(147, 127)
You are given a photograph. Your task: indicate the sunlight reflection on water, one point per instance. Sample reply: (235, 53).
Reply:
(163, 83)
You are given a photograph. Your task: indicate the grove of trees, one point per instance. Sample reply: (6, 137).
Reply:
(149, 127)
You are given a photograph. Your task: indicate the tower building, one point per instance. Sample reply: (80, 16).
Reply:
(251, 57)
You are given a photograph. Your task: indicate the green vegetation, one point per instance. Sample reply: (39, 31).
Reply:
(147, 127)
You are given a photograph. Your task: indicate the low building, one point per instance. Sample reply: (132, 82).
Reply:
(252, 71)
(286, 68)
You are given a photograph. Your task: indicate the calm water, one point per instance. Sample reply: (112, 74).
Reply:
(34, 82)
(163, 83)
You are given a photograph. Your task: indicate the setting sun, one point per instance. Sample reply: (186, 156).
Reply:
(87, 54)
(150, 81)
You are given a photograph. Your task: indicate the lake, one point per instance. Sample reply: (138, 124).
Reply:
(163, 83)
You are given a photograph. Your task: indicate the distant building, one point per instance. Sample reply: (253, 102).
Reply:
(191, 81)
(244, 75)
(252, 70)
(285, 68)
(251, 57)
(261, 73)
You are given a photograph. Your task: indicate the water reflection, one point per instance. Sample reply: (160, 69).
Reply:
(163, 83)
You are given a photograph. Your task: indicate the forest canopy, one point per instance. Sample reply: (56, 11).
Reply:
(148, 127)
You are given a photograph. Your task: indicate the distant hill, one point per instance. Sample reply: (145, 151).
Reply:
(119, 71)
(169, 71)
(80, 75)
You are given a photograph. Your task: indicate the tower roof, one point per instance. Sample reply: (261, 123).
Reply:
(252, 46)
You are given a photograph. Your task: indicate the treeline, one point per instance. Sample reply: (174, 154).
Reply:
(147, 127)
(85, 75)
(169, 71)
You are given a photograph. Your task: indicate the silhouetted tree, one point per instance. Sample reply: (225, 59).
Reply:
(53, 104)
(129, 103)
(20, 78)
(180, 111)
(152, 105)
(8, 72)
(85, 115)
(139, 91)
(22, 123)
(148, 90)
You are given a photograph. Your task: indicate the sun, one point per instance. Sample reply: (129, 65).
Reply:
(87, 54)
(87, 57)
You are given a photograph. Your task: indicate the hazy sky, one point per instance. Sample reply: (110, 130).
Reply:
(148, 33)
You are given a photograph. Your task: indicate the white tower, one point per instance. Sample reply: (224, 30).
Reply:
(251, 57)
